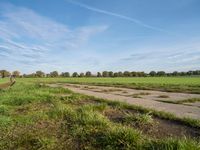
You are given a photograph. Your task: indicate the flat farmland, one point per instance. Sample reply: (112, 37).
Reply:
(169, 84)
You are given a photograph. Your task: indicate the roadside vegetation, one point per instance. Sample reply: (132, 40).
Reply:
(34, 116)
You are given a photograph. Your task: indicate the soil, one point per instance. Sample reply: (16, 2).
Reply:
(159, 129)
(149, 100)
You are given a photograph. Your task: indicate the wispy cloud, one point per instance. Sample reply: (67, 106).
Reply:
(28, 38)
(182, 57)
(120, 16)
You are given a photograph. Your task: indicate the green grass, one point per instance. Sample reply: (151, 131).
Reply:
(139, 119)
(171, 84)
(4, 80)
(34, 116)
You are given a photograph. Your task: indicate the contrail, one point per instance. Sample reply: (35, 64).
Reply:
(116, 15)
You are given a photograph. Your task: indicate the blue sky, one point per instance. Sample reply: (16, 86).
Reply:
(97, 35)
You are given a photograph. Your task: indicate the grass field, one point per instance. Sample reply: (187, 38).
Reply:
(34, 116)
(4, 80)
(170, 84)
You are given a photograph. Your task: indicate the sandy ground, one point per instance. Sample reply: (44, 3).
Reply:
(144, 98)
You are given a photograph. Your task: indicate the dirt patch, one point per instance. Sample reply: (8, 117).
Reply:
(22, 110)
(160, 128)
(163, 96)
(4, 85)
(174, 129)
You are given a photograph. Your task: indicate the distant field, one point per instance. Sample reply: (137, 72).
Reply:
(143, 80)
(171, 84)
(3, 80)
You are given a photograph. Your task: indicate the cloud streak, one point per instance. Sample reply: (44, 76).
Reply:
(28, 38)
(109, 13)
(182, 57)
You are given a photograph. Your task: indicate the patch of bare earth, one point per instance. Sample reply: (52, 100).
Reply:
(160, 128)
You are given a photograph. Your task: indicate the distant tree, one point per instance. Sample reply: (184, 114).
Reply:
(133, 74)
(110, 74)
(81, 74)
(48, 75)
(190, 73)
(182, 73)
(32, 75)
(16, 73)
(99, 74)
(75, 74)
(54, 74)
(116, 74)
(105, 74)
(5, 73)
(141, 74)
(88, 74)
(120, 74)
(39, 74)
(127, 74)
(196, 72)
(175, 73)
(152, 73)
(161, 73)
(65, 74)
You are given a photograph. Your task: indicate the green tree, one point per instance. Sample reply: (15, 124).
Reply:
(120, 74)
(54, 74)
(105, 74)
(116, 74)
(99, 74)
(134, 74)
(127, 74)
(110, 74)
(16, 73)
(88, 74)
(152, 73)
(5, 73)
(81, 74)
(141, 74)
(161, 73)
(65, 74)
(75, 74)
(39, 74)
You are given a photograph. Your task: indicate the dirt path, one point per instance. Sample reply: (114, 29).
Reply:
(142, 98)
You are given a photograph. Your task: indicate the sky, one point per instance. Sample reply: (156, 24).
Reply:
(97, 35)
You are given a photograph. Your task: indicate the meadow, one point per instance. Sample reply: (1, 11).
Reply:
(169, 84)
(35, 116)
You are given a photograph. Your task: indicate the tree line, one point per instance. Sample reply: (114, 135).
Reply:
(41, 74)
